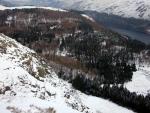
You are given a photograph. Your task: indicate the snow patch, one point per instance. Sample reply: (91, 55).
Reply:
(140, 81)
(87, 17)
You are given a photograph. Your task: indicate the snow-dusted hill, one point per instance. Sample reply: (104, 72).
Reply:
(31, 7)
(125, 8)
(29, 85)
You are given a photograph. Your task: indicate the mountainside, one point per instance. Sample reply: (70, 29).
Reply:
(135, 28)
(28, 84)
(73, 52)
(50, 18)
(125, 8)
(46, 27)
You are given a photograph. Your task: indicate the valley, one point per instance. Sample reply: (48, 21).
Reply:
(130, 27)
(55, 60)
(143, 37)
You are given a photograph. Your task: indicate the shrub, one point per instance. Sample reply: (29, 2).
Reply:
(41, 71)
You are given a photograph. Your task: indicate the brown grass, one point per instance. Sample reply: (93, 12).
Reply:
(39, 110)
(70, 63)
(41, 71)
(14, 109)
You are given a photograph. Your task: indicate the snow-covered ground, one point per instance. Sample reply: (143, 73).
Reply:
(23, 91)
(140, 82)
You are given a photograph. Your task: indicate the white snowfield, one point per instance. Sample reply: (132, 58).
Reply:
(20, 92)
(140, 82)
(31, 7)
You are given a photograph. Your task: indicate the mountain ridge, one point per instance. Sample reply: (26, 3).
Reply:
(126, 8)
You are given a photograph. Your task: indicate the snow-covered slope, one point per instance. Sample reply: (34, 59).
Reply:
(140, 81)
(126, 8)
(29, 85)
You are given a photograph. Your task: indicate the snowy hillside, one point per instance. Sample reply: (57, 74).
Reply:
(140, 81)
(126, 8)
(27, 84)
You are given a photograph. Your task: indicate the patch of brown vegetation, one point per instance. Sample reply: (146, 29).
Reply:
(70, 63)
(39, 110)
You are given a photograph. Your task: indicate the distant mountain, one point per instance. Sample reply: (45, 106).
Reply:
(125, 8)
